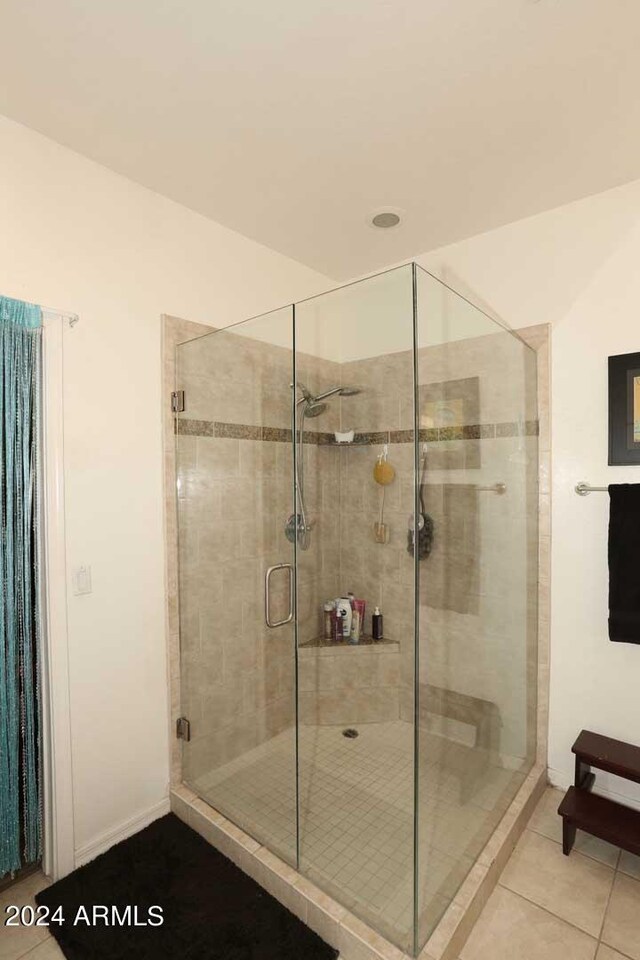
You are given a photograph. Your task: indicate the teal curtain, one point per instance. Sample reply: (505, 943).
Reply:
(20, 762)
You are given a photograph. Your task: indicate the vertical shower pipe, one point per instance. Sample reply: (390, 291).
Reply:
(416, 617)
(296, 493)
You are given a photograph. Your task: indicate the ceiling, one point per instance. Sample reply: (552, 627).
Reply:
(293, 121)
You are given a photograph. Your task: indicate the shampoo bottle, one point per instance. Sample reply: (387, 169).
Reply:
(354, 636)
(343, 607)
(376, 624)
(357, 623)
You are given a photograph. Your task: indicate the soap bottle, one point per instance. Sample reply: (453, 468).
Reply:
(357, 623)
(354, 636)
(343, 606)
(376, 624)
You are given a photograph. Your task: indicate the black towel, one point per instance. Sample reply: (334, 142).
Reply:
(624, 562)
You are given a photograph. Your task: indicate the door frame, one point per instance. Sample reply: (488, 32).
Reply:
(57, 780)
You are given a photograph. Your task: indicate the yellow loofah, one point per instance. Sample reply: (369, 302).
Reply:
(383, 473)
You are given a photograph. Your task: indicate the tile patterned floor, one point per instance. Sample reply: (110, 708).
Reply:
(551, 907)
(356, 816)
(34, 943)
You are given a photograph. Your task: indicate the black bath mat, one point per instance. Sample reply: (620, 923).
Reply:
(211, 910)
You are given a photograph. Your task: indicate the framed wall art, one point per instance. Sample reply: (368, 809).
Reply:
(624, 409)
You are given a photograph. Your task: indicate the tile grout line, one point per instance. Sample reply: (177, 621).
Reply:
(606, 909)
(616, 871)
(579, 852)
(550, 912)
(37, 946)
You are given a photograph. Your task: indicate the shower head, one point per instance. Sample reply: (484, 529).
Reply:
(338, 391)
(313, 406)
(313, 409)
(306, 393)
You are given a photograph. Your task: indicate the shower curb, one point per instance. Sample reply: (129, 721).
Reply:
(333, 922)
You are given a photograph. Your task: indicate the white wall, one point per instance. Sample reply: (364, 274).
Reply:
(576, 267)
(594, 683)
(77, 237)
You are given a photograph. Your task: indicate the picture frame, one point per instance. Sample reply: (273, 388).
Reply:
(624, 410)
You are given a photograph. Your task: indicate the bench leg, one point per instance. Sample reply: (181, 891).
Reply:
(584, 778)
(568, 836)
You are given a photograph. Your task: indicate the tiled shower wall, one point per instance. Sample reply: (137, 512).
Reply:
(235, 496)
(235, 493)
(381, 573)
(478, 615)
(478, 624)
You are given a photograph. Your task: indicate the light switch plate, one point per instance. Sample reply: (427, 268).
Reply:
(82, 580)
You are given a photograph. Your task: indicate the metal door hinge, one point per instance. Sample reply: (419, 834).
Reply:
(177, 401)
(183, 729)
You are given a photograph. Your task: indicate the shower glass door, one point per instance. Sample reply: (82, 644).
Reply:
(378, 441)
(477, 602)
(235, 489)
(355, 408)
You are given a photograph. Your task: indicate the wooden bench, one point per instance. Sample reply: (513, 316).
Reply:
(599, 816)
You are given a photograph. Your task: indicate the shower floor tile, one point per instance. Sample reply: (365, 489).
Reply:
(356, 816)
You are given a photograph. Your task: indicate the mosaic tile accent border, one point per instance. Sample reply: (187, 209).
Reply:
(194, 428)
(242, 431)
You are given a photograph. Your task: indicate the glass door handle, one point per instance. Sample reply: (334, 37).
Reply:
(267, 611)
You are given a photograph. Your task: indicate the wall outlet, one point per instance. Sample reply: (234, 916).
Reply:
(82, 580)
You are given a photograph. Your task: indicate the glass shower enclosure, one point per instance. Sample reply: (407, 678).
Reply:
(370, 449)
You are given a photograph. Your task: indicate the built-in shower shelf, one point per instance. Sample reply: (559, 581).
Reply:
(385, 645)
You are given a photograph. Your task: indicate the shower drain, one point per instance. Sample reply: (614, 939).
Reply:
(350, 733)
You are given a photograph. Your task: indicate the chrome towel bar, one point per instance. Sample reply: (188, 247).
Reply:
(584, 489)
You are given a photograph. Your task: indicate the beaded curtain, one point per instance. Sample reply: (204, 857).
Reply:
(20, 762)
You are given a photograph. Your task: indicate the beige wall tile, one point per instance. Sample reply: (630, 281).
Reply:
(278, 879)
(324, 915)
(357, 941)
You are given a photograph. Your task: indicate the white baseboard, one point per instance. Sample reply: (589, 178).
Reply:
(109, 839)
(605, 786)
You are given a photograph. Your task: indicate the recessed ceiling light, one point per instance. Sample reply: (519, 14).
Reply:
(385, 219)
